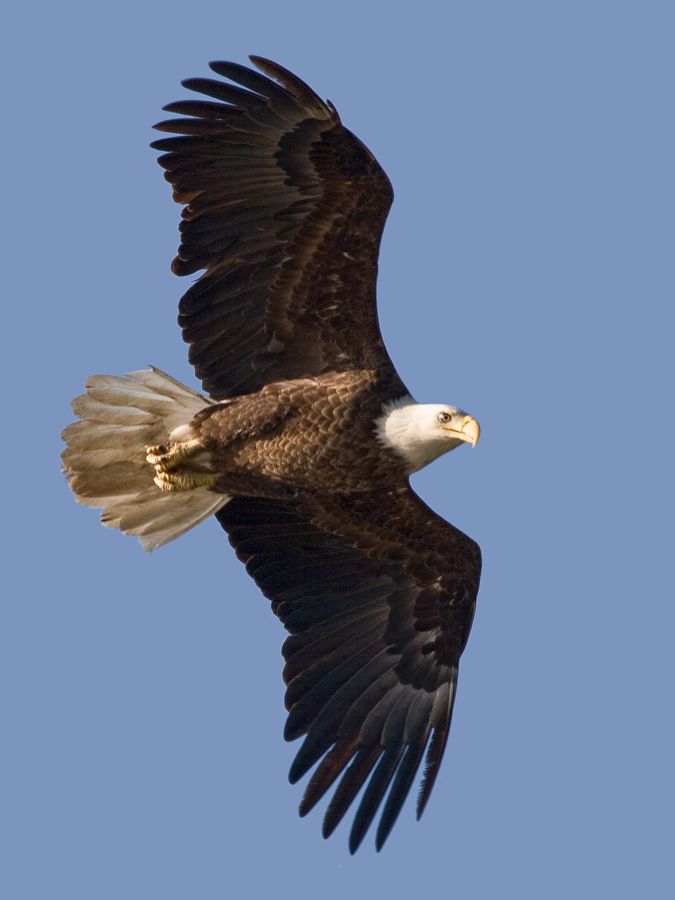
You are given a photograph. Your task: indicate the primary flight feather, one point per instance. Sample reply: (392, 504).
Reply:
(305, 444)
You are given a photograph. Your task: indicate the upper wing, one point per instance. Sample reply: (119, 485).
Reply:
(284, 210)
(378, 594)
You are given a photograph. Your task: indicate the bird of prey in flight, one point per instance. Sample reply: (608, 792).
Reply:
(305, 440)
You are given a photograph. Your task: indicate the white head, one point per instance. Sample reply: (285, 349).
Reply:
(421, 432)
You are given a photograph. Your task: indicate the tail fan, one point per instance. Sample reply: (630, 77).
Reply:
(105, 460)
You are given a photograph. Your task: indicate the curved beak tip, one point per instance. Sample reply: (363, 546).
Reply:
(471, 429)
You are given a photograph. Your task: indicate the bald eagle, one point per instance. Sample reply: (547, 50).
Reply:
(305, 443)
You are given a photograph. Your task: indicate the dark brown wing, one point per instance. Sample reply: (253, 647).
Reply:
(284, 210)
(378, 594)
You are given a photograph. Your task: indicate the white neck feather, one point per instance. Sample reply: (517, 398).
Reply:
(404, 427)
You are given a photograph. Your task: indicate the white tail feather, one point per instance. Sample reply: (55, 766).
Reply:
(105, 463)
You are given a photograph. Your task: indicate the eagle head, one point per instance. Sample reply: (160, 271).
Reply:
(421, 432)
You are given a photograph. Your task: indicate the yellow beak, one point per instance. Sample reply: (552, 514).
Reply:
(469, 431)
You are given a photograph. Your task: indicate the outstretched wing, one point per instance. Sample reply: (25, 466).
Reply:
(284, 210)
(378, 594)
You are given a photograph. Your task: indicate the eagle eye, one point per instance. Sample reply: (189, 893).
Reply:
(444, 417)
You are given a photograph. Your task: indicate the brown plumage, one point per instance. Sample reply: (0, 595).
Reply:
(284, 210)
(378, 594)
(304, 447)
(303, 435)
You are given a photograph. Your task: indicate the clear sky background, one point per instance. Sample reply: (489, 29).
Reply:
(527, 276)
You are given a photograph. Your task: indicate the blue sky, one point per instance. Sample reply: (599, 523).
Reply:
(527, 276)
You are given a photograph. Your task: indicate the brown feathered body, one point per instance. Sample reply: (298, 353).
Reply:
(311, 435)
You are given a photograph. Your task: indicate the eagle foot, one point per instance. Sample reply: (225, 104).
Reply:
(181, 481)
(167, 457)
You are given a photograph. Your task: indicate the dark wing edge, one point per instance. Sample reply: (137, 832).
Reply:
(378, 594)
(284, 209)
